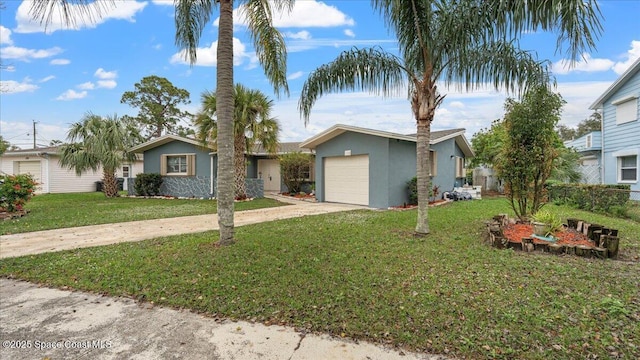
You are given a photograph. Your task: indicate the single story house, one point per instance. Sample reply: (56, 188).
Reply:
(44, 165)
(190, 169)
(620, 159)
(371, 167)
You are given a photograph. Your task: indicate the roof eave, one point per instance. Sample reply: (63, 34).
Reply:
(635, 67)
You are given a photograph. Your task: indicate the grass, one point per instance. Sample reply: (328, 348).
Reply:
(363, 275)
(54, 211)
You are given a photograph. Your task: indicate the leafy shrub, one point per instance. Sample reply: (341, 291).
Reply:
(412, 188)
(295, 168)
(552, 220)
(148, 184)
(15, 191)
(596, 198)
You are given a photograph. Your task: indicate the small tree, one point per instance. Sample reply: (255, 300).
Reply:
(294, 168)
(158, 100)
(530, 149)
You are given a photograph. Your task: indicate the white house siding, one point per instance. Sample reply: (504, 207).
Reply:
(9, 165)
(63, 180)
(623, 137)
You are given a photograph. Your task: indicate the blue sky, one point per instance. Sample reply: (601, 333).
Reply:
(55, 76)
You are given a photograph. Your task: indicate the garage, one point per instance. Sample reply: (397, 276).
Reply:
(29, 167)
(346, 179)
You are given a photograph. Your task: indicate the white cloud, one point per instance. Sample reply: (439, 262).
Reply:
(13, 87)
(310, 13)
(105, 75)
(157, 46)
(349, 33)
(60, 62)
(23, 54)
(107, 84)
(10, 68)
(295, 75)
(631, 55)
(71, 95)
(586, 64)
(48, 78)
(99, 12)
(86, 86)
(300, 35)
(163, 2)
(457, 104)
(302, 45)
(5, 36)
(207, 56)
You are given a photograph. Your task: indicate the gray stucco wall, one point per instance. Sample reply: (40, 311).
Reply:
(360, 144)
(402, 168)
(203, 159)
(392, 163)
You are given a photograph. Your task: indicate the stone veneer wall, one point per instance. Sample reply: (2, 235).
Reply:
(197, 187)
(187, 186)
(255, 188)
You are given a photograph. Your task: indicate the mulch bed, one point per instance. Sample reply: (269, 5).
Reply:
(515, 233)
(14, 215)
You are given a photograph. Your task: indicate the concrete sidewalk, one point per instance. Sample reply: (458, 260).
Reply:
(43, 323)
(95, 235)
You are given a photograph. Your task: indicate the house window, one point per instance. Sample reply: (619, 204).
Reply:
(588, 141)
(433, 163)
(628, 168)
(125, 171)
(626, 109)
(459, 167)
(178, 164)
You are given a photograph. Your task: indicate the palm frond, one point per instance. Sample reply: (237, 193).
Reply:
(372, 70)
(502, 64)
(87, 11)
(191, 17)
(268, 42)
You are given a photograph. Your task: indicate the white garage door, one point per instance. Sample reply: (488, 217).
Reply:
(30, 167)
(346, 179)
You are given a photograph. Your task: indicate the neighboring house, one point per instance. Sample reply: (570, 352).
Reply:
(621, 129)
(589, 147)
(370, 167)
(44, 165)
(190, 169)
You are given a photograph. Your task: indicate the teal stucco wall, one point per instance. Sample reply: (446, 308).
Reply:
(392, 163)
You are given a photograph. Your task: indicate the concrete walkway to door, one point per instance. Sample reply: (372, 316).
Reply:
(96, 235)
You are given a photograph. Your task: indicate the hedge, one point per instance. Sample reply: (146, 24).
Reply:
(596, 198)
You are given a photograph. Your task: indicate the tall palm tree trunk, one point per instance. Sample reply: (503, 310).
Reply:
(423, 176)
(224, 91)
(109, 183)
(239, 165)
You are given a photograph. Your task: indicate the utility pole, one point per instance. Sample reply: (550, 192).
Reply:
(34, 134)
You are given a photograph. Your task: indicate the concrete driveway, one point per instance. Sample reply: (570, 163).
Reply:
(86, 236)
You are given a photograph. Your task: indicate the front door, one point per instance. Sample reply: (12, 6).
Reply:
(269, 172)
(126, 173)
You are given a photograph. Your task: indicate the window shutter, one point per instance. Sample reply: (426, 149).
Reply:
(163, 165)
(191, 165)
(433, 159)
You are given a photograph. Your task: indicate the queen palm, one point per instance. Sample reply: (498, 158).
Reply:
(462, 43)
(191, 17)
(252, 123)
(100, 143)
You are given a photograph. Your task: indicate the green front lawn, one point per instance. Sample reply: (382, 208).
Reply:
(54, 211)
(363, 275)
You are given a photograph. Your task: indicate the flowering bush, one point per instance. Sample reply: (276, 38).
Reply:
(15, 191)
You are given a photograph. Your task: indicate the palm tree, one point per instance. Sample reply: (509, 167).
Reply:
(252, 123)
(96, 142)
(191, 17)
(462, 43)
